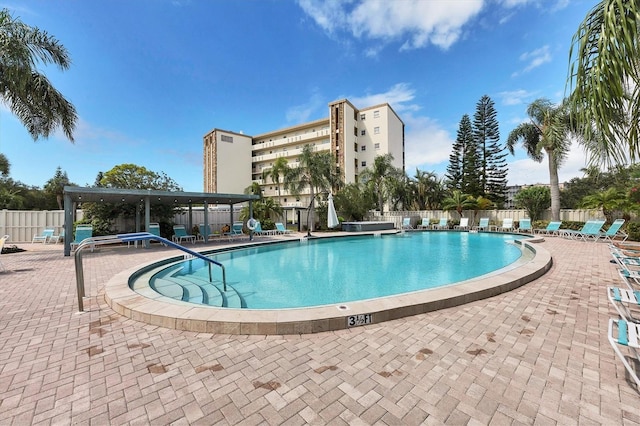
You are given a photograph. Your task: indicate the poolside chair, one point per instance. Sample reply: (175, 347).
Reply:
(180, 235)
(614, 232)
(626, 302)
(551, 229)
(280, 229)
(259, 232)
(43, 237)
(236, 230)
(589, 228)
(623, 333)
(442, 224)
(525, 225)
(464, 224)
(2, 241)
(83, 232)
(507, 225)
(483, 225)
(425, 224)
(406, 223)
(205, 234)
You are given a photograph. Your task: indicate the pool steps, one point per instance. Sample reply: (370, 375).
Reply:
(196, 290)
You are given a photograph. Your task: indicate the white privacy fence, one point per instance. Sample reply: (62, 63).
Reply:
(22, 225)
(495, 216)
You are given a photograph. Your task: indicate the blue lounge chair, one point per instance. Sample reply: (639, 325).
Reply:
(205, 234)
(83, 232)
(442, 224)
(614, 232)
(552, 229)
(406, 223)
(483, 225)
(590, 228)
(280, 229)
(44, 237)
(525, 225)
(180, 235)
(425, 224)
(258, 231)
(625, 334)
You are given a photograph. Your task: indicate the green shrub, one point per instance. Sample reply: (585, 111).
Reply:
(633, 229)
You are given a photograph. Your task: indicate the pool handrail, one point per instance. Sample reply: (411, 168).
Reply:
(126, 238)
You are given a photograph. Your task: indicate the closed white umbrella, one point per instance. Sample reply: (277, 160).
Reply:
(332, 216)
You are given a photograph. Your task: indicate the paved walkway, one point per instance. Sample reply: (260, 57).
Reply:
(536, 355)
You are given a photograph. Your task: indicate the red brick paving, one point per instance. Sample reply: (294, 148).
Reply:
(536, 355)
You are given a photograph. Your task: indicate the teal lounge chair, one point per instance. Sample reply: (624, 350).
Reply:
(592, 231)
(525, 225)
(552, 229)
(83, 232)
(280, 228)
(442, 224)
(180, 235)
(626, 302)
(205, 233)
(406, 223)
(483, 225)
(614, 232)
(236, 230)
(626, 334)
(44, 238)
(573, 234)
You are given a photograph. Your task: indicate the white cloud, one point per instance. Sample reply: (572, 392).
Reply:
(398, 97)
(427, 144)
(516, 97)
(419, 23)
(301, 113)
(534, 59)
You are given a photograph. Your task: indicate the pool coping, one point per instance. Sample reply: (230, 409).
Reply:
(165, 312)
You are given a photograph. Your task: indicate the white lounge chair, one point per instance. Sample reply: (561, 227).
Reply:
(507, 225)
(626, 302)
(464, 224)
(2, 241)
(425, 224)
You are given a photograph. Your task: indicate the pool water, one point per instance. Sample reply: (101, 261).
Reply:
(339, 270)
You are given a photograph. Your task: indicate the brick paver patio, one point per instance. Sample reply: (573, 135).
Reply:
(536, 355)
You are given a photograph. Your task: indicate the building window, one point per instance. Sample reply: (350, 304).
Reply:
(363, 148)
(363, 132)
(362, 116)
(376, 130)
(355, 131)
(225, 138)
(376, 145)
(363, 164)
(376, 114)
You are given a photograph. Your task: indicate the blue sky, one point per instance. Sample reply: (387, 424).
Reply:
(150, 77)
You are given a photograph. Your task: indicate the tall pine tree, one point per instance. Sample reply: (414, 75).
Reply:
(462, 172)
(491, 155)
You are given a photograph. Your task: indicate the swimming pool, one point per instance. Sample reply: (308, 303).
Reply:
(340, 270)
(129, 294)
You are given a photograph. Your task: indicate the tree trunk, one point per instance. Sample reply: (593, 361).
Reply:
(554, 186)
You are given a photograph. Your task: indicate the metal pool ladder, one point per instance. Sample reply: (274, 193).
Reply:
(126, 238)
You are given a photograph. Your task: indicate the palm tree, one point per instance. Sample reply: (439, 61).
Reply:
(377, 178)
(548, 132)
(423, 184)
(610, 200)
(55, 186)
(4, 165)
(459, 202)
(604, 79)
(315, 171)
(27, 92)
(276, 172)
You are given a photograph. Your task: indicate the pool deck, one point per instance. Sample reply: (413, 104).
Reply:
(535, 355)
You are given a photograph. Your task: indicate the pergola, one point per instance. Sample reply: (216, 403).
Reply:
(78, 194)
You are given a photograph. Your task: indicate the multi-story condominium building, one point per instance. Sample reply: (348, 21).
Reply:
(233, 161)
